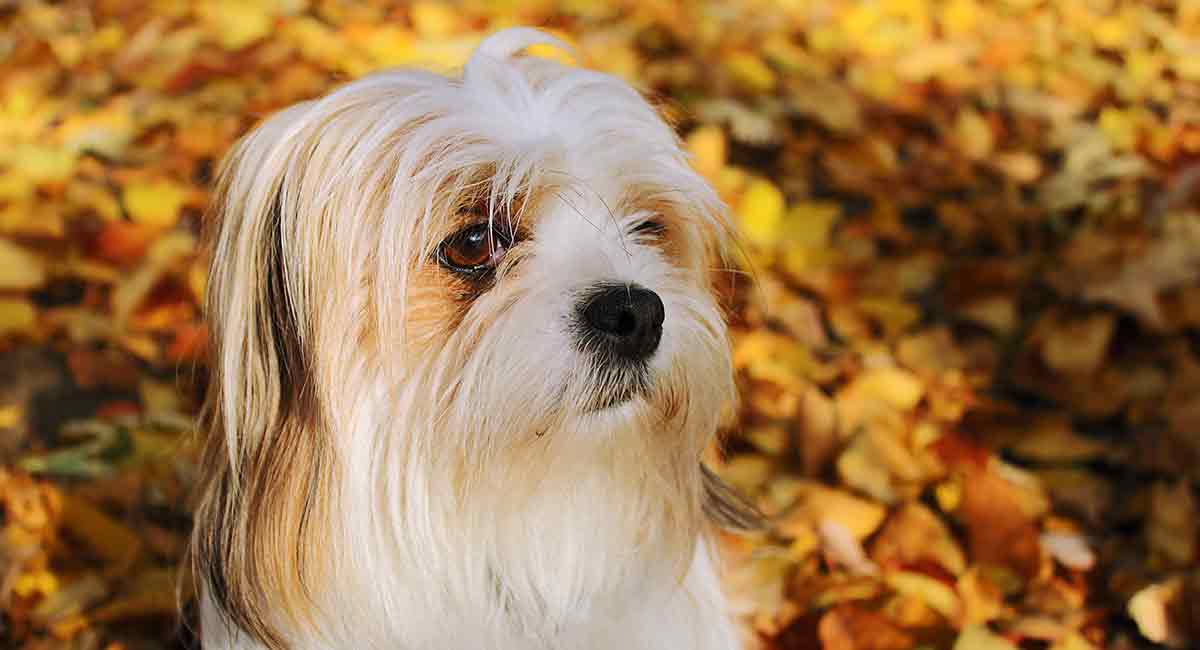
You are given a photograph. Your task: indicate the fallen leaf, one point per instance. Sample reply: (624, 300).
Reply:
(814, 503)
(842, 548)
(155, 204)
(760, 211)
(1150, 608)
(982, 601)
(914, 534)
(1173, 523)
(1070, 549)
(848, 627)
(16, 317)
(1078, 346)
(19, 268)
(977, 637)
(999, 531)
(111, 540)
(935, 593)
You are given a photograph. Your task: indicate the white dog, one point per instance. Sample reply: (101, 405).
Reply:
(466, 358)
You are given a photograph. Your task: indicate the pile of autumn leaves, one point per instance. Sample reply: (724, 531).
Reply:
(964, 332)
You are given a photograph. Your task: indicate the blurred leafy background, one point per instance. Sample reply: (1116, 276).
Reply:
(968, 340)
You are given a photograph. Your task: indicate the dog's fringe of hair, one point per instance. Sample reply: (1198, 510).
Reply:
(726, 507)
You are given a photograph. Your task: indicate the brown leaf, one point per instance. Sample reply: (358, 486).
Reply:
(111, 540)
(915, 534)
(849, 627)
(999, 531)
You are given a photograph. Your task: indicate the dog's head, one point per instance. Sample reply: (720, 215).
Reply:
(443, 299)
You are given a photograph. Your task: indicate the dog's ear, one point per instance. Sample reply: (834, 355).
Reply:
(267, 459)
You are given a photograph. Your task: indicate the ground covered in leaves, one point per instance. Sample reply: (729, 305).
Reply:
(968, 339)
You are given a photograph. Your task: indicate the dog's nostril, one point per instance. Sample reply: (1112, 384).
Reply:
(626, 325)
(627, 319)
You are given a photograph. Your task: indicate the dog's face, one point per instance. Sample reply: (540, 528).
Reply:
(456, 301)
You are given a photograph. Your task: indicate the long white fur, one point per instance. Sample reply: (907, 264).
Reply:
(476, 506)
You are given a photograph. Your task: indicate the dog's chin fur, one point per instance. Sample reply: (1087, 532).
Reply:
(401, 457)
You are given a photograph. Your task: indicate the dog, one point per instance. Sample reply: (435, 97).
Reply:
(466, 353)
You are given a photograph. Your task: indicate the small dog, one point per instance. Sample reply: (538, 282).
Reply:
(466, 356)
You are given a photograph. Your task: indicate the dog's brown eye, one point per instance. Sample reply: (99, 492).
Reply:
(474, 249)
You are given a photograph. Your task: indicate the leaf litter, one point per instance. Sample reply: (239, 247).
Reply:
(966, 343)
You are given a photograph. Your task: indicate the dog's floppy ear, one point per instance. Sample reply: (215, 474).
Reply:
(267, 457)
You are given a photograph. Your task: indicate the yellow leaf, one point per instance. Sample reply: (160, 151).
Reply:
(860, 467)
(769, 440)
(959, 17)
(1020, 166)
(913, 534)
(1150, 609)
(159, 396)
(747, 472)
(805, 541)
(761, 211)
(108, 38)
(35, 583)
(315, 40)
(197, 281)
(896, 387)
(895, 316)
(68, 49)
(16, 316)
(815, 503)
(933, 592)
(751, 71)
(553, 52)
(982, 600)
(948, 495)
(1119, 127)
(708, 148)
(809, 223)
(237, 23)
(434, 19)
(1073, 641)
(1111, 32)
(931, 60)
(974, 135)
(20, 270)
(10, 416)
(106, 131)
(978, 637)
(42, 164)
(390, 46)
(154, 204)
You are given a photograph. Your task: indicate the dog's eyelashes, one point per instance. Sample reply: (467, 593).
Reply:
(649, 227)
(476, 249)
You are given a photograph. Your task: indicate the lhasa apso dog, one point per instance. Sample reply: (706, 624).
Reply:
(466, 356)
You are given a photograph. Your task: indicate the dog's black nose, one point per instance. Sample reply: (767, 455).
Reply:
(624, 319)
